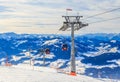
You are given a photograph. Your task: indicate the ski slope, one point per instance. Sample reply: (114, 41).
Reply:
(26, 73)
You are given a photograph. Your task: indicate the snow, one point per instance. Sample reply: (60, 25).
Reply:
(100, 67)
(20, 42)
(81, 67)
(102, 50)
(115, 61)
(3, 59)
(26, 73)
(114, 49)
(16, 58)
(113, 41)
(50, 56)
(50, 42)
(58, 63)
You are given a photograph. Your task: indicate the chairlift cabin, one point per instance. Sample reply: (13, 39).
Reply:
(47, 51)
(64, 47)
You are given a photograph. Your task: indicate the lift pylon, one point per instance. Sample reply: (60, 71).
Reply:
(74, 23)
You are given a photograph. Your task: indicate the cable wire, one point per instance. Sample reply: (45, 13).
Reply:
(104, 20)
(102, 13)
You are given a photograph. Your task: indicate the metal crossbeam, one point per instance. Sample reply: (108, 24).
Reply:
(64, 27)
(75, 20)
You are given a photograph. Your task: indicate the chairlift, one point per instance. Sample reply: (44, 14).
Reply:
(64, 47)
(47, 51)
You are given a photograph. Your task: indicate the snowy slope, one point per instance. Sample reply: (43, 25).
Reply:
(42, 74)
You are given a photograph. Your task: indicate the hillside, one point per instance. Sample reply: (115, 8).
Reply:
(97, 55)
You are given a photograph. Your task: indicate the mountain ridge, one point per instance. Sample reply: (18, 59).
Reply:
(97, 52)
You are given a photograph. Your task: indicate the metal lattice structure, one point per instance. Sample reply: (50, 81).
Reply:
(74, 23)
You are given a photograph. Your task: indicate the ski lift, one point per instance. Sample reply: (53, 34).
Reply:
(64, 47)
(47, 51)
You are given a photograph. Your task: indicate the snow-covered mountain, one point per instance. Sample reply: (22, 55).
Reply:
(97, 55)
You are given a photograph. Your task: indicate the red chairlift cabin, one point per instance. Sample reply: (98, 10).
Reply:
(47, 51)
(64, 47)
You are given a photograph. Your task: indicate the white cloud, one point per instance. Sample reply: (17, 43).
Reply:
(49, 1)
(24, 13)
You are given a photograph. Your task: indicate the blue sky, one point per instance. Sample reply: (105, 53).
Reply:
(30, 16)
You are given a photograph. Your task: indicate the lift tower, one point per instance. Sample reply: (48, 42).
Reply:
(74, 23)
